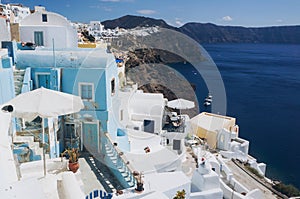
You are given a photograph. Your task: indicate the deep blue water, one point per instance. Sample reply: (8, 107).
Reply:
(262, 83)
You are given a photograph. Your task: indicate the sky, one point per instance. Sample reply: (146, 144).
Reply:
(248, 13)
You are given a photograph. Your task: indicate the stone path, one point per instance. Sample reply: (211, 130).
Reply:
(248, 181)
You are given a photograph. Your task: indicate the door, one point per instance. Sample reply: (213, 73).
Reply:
(71, 137)
(43, 80)
(149, 126)
(90, 137)
(39, 38)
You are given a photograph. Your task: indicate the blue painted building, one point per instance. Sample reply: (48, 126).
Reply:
(89, 73)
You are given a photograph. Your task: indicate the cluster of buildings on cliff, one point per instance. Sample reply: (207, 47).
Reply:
(144, 142)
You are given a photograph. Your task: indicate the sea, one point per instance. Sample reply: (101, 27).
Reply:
(262, 83)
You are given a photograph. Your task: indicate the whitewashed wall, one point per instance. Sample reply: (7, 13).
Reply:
(57, 27)
(4, 33)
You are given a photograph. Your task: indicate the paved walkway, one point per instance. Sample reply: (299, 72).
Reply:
(89, 179)
(103, 174)
(189, 164)
(248, 181)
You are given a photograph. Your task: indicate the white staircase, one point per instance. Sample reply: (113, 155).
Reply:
(119, 164)
(34, 146)
(18, 80)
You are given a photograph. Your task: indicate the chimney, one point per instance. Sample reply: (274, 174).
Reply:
(39, 9)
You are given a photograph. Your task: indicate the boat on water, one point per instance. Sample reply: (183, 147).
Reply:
(207, 103)
(208, 100)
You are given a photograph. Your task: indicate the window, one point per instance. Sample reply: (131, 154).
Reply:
(121, 115)
(113, 86)
(86, 91)
(176, 144)
(44, 18)
(38, 38)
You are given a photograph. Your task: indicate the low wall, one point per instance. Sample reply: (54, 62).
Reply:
(210, 194)
(228, 193)
(238, 186)
(225, 169)
(71, 188)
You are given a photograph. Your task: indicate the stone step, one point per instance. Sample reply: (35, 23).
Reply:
(18, 89)
(108, 149)
(121, 170)
(128, 179)
(124, 174)
(34, 146)
(18, 80)
(114, 162)
(18, 83)
(131, 184)
(26, 139)
(19, 72)
(110, 154)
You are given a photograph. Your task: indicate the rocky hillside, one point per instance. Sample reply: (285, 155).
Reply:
(211, 33)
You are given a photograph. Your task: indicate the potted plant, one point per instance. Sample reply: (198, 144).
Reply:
(180, 194)
(72, 155)
(139, 184)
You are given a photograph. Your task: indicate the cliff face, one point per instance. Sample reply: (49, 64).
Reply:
(211, 33)
(148, 56)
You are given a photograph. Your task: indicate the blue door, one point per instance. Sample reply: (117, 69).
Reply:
(43, 80)
(91, 137)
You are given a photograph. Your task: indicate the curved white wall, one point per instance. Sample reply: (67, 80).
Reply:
(57, 27)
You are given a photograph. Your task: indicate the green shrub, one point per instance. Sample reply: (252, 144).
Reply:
(254, 171)
(288, 190)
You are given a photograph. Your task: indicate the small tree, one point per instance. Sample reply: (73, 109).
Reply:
(180, 194)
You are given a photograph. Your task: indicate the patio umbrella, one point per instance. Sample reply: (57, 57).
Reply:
(181, 104)
(45, 103)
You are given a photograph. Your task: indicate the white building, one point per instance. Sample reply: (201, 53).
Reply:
(14, 13)
(222, 133)
(42, 27)
(217, 130)
(96, 29)
(5, 12)
(19, 12)
(96, 26)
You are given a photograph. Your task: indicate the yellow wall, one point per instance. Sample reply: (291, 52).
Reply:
(87, 45)
(210, 136)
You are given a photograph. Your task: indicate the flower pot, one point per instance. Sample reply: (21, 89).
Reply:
(73, 166)
(139, 187)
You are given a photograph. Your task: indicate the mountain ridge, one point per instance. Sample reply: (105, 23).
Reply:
(132, 21)
(212, 33)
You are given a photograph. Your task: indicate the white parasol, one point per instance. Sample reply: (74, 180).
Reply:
(181, 104)
(45, 103)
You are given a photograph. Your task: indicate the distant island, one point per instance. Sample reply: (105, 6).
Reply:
(211, 33)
